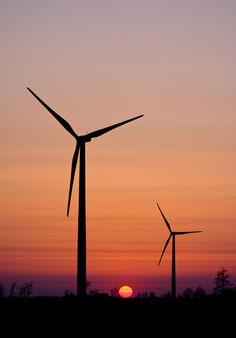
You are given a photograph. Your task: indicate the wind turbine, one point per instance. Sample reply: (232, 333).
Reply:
(80, 147)
(172, 234)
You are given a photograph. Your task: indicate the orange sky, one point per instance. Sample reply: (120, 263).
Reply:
(97, 63)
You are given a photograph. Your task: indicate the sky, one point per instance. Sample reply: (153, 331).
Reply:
(97, 63)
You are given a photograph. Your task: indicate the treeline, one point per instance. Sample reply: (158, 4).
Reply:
(222, 286)
(17, 290)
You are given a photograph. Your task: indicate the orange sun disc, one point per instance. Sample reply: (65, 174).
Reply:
(125, 291)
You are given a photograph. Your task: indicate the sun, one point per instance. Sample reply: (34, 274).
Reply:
(125, 291)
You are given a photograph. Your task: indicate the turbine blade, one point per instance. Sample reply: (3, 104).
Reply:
(167, 242)
(185, 232)
(167, 223)
(63, 122)
(73, 169)
(102, 131)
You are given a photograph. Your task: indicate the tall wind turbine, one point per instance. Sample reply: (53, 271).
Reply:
(172, 234)
(80, 147)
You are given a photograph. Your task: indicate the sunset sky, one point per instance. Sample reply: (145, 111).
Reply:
(97, 63)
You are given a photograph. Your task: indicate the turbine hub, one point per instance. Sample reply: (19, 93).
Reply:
(84, 138)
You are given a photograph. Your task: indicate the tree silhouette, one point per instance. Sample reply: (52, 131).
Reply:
(199, 292)
(222, 282)
(114, 292)
(25, 290)
(143, 294)
(188, 293)
(166, 295)
(68, 293)
(146, 294)
(2, 291)
(91, 292)
(12, 292)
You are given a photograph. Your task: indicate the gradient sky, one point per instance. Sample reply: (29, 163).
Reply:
(97, 63)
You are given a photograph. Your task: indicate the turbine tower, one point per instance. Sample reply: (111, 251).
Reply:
(80, 147)
(172, 234)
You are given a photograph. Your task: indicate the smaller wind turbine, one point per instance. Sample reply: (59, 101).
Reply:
(172, 234)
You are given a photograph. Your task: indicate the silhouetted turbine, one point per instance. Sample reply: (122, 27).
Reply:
(172, 234)
(80, 147)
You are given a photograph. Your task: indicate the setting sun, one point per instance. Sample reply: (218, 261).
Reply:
(125, 291)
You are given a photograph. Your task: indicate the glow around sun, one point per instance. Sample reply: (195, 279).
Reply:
(125, 291)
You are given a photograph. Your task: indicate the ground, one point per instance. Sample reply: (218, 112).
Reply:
(104, 315)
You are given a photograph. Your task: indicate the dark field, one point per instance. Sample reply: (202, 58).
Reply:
(100, 314)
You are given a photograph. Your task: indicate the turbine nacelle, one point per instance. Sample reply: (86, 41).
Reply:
(84, 138)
